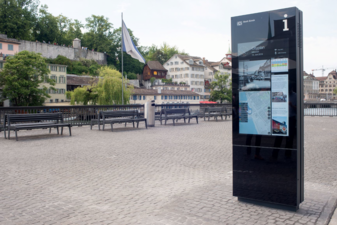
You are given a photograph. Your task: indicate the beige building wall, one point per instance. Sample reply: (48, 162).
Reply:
(141, 99)
(59, 74)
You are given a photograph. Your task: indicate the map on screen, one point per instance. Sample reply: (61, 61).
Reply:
(254, 112)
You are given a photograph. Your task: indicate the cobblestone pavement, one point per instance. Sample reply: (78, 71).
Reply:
(164, 175)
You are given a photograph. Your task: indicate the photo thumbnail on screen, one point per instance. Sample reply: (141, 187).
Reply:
(254, 75)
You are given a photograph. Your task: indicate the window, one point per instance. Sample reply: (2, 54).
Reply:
(62, 68)
(196, 76)
(200, 62)
(134, 97)
(165, 97)
(194, 98)
(0, 45)
(53, 68)
(139, 97)
(176, 63)
(51, 100)
(171, 63)
(62, 100)
(167, 64)
(192, 75)
(187, 68)
(46, 78)
(192, 68)
(155, 97)
(159, 73)
(56, 100)
(143, 97)
(155, 73)
(182, 63)
(197, 97)
(10, 47)
(53, 77)
(190, 61)
(62, 80)
(162, 97)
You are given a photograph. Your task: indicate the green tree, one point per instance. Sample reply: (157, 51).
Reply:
(18, 17)
(107, 91)
(221, 88)
(335, 91)
(46, 28)
(162, 53)
(22, 77)
(82, 96)
(63, 24)
(99, 35)
(74, 30)
(152, 80)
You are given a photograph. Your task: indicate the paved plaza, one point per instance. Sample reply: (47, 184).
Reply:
(163, 175)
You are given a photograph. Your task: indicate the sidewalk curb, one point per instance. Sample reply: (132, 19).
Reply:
(327, 212)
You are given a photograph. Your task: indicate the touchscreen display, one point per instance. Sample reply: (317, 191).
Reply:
(263, 87)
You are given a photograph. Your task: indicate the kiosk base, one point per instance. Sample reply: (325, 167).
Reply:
(268, 204)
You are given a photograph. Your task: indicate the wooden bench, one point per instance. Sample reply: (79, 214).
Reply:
(18, 122)
(111, 117)
(176, 114)
(215, 112)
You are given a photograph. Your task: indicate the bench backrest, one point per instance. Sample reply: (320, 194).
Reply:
(176, 111)
(119, 113)
(34, 117)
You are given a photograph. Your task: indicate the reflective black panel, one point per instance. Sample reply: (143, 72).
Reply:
(265, 174)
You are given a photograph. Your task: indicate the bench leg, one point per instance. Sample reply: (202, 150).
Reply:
(185, 120)
(221, 117)
(216, 118)
(58, 131)
(165, 122)
(133, 123)
(69, 130)
(209, 117)
(9, 134)
(137, 124)
(61, 130)
(16, 135)
(112, 127)
(145, 124)
(49, 130)
(173, 122)
(99, 125)
(5, 134)
(197, 119)
(91, 125)
(103, 126)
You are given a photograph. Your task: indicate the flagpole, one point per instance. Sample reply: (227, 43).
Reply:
(122, 63)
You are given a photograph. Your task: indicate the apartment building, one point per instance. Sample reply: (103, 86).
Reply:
(171, 86)
(184, 69)
(59, 74)
(327, 85)
(310, 86)
(142, 95)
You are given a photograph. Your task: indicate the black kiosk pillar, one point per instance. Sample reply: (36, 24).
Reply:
(267, 66)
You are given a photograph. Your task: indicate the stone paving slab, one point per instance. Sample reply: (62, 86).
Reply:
(163, 175)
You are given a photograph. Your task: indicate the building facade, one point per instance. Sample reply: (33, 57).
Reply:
(327, 85)
(310, 87)
(141, 95)
(171, 86)
(8, 46)
(154, 69)
(184, 69)
(59, 74)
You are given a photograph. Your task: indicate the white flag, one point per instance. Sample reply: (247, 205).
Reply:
(129, 47)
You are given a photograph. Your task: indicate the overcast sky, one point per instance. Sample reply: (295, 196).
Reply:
(202, 28)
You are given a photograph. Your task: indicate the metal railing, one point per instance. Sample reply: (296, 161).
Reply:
(82, 115)
(75, 115)
(194, 108)
(320, 109)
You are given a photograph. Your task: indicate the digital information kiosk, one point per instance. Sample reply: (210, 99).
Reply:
(267, 66)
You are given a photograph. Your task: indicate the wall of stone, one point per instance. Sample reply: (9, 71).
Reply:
(52, 51)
